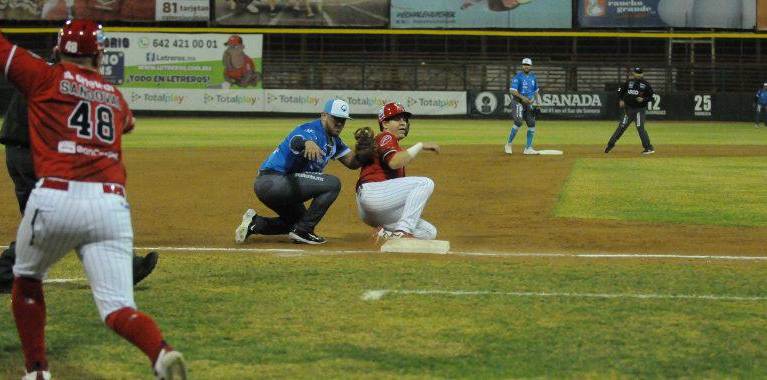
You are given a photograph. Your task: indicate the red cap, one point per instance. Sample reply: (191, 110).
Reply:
(81, 38)
(234, 40)
(390, 110)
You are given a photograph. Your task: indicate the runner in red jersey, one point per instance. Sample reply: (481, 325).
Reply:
(76, 122)
(386, 198)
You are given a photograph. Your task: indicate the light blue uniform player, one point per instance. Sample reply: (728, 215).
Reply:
(761, 104)
(292, 175)
(524, 90)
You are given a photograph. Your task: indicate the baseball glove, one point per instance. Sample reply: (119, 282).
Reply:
(364, 150)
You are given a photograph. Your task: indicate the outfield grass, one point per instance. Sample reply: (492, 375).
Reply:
(241, 316)
(174, 132)
(725, 191)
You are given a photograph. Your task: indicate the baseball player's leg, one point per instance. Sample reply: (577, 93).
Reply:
(276, 191)
(425, 230)
(517, 113)
(107, 260)
(395, 204)
(627, 118)
(640, 123)
(46, 233)
(380, 204)
(416, 201)
(324, 190)
(51, 228)
(530, 121)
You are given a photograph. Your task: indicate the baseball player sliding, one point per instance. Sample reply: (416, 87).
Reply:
(386, 198)
(76, 122)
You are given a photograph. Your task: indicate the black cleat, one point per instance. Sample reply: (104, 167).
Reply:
(609, 148)
(305, 237)
(648, 151)
(143, 266)
(7, 259)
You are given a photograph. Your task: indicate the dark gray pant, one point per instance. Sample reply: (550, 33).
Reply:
(18, 159)
(285, 194)
(759, 109)
(638, 116)
(522, 112)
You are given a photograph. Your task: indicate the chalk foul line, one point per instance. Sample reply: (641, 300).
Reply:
(377, 294)
(337, 252)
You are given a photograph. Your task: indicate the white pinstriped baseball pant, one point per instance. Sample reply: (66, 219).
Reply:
(397, 204)
(97, 225)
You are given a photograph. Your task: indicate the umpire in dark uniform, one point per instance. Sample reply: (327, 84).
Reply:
(14, 134)
(634, 95)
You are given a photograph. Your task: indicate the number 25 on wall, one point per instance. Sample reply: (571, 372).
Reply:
(702, 102)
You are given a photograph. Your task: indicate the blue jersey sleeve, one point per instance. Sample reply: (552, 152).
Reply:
(516, 83)
(341, 148)
(535, 84)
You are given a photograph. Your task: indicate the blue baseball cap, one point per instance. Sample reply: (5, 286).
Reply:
(337, 108)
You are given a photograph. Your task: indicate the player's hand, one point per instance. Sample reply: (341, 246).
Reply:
(622, 104)
(312, 151)
(431, 146)
(640, 99)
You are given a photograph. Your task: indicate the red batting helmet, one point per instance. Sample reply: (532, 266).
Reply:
(390, 110)
(81, 38)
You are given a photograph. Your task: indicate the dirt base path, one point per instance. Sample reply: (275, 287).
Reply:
(484, 201)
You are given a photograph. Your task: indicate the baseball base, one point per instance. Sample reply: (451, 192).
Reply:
(550, 152)
(416, 246)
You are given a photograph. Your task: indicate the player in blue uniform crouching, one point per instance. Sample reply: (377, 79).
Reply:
(292, 175)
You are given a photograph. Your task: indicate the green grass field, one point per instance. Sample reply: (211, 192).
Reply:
(308, 315)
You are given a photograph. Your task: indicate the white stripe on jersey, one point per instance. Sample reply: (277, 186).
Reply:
(10, 58)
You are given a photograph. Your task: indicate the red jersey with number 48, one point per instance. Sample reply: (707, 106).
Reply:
(76, 118)
(386, 145)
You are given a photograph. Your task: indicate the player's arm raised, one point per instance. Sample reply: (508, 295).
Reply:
(401, 159)
(24, 69)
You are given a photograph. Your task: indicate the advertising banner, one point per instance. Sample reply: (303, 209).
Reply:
(292, 101)
(704, 106)
(761, 15)
(481, 14)
(106, 10)
(730, 14)
(554, 105)
(330, 13)
(183, 61)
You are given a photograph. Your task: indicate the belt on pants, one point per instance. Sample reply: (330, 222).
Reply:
(59, 184)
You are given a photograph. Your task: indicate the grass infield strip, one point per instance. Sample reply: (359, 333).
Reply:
(375, 295)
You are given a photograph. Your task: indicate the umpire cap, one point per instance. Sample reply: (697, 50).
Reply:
(637, 70)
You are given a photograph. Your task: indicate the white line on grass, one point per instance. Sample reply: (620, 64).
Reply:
(330, 252)
(62, 280)
(375, 295)
(460, 253)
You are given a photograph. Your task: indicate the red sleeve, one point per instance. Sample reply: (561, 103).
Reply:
(25, 70)
(387, 144)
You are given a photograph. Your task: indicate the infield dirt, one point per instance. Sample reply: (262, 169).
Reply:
(484, 201)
